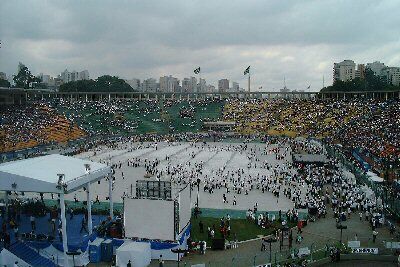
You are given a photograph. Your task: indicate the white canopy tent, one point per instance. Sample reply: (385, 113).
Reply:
(55, 174)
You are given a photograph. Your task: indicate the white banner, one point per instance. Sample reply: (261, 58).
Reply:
(394, 245)
(365, 250)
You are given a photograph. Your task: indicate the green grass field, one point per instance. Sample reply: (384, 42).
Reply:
(243, 228)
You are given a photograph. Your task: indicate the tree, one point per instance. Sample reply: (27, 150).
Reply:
(4, 83)
(24, 78)
(104, 83)
(373, 82)
(79, 86)
(370, 83)
(107, 83)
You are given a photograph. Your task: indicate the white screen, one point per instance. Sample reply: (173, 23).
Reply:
(184, 208)
(147, 218)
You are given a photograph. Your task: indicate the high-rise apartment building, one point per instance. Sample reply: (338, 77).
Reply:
(72, 76)
(134, 83)
(169, 84)
(360, 72)
(235, 87)
(3, 76)
(376, 67)
(344, 71)
(223, 85)
(150, 85)
(202, 86)
(189, 85)
(391, 75)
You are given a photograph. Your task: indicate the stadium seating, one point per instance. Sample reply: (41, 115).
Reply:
(29, 126)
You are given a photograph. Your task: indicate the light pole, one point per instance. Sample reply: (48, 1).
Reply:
(198, 192)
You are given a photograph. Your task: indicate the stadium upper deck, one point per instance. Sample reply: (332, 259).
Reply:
(19, 96)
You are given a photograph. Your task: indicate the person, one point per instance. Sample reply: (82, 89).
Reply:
(160, 262)
(129, 264)
(71, 213)
(263, 245)
(83, 226)
(201, 227)
(202, 247)
(235, 240)
(374, 235)
(16, 231)
(299, 238)
(392, 229)
(7, 240)
(53, 226)
(60, 233)
(33, 223)
(337, 256)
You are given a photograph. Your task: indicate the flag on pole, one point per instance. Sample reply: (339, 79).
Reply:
(197, 71)
(246, 70)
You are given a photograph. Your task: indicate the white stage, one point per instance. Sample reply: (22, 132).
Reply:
(55, 174)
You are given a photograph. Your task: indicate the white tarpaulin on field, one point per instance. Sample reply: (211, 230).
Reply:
(139, 253)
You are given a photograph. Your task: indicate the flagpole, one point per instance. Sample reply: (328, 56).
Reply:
(249, 82)
(199, 90)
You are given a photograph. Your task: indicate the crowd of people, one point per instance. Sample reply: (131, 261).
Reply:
(372, 126)
(364, 123)
(21, 124)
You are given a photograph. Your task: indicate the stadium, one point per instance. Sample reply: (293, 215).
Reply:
(198, 179)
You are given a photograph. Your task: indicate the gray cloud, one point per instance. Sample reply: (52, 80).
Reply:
(296, 39)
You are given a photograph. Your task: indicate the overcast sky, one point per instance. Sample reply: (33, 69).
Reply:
(298, 40)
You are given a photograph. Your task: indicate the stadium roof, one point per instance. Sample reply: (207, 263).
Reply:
(41, 174)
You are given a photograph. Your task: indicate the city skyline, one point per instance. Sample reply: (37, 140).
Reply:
(296, 40)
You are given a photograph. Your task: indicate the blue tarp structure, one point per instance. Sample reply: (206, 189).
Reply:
(76, 240)
(363, 163)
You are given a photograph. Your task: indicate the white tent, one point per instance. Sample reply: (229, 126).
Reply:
(55, 174)
(139, 253)
(40, 174)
